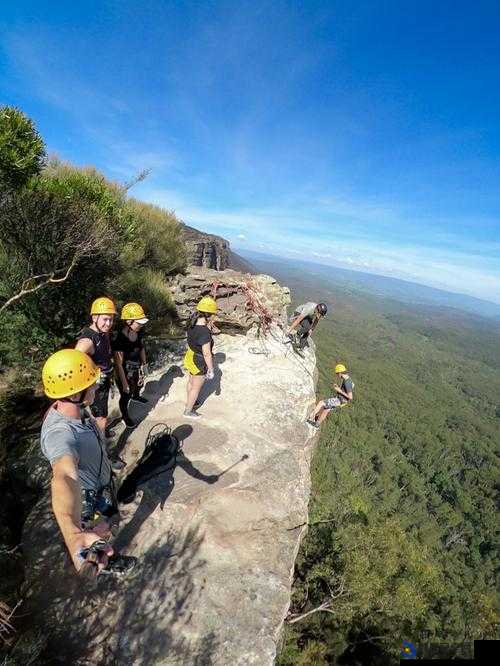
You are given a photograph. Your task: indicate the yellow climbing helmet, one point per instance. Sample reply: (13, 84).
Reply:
(134, 311)
(340, 368)
(103, 306)
(207, 304)
(67, 372)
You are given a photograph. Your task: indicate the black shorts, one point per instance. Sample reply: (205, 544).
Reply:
(303, 329)
(100, 405)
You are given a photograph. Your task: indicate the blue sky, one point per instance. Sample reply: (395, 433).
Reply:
(362, 134)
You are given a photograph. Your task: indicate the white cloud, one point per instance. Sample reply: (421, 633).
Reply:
(241, 236)
(291, 231)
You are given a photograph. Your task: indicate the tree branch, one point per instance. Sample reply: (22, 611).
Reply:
(325, 606)
(316, 522)
(49, 279)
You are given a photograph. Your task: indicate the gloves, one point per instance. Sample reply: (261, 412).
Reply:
(210, 374)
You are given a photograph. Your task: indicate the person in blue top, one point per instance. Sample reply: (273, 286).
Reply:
(343, 396)
(82, 488)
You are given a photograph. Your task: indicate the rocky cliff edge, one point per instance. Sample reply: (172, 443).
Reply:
(216, 525)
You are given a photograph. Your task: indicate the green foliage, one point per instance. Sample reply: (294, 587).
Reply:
(406, 477)
(158, 245)
(22, 150)
(68, 236)
(148, 287)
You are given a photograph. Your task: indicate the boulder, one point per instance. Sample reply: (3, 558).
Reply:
(244, 300)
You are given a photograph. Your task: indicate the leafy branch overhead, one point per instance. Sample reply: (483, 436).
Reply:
(44, 237)
(67, 235)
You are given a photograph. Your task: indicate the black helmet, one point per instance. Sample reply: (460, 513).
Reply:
(322, 309)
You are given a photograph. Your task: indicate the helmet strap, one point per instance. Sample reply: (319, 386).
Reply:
(97, 324)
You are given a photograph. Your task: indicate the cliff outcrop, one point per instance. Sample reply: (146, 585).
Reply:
(216, 524)
(206, 250)
(210, 251)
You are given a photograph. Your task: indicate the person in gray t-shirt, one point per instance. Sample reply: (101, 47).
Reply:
(343, 396)
(304, 321)
(81, 473)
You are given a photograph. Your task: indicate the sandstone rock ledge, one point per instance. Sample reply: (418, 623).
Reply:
(213, 531)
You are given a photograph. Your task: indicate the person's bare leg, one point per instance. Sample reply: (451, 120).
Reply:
(188, 388)
(319, 407)
(194, 388)
(323, 415)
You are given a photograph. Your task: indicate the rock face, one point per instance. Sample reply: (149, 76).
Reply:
(209, 251)
(243, 300)
(216, 527)
(206, 250)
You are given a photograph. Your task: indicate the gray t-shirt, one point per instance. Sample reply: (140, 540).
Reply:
(63, 436)
(347, 386)
(308, 309)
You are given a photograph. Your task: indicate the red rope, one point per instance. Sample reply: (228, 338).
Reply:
(265, 316)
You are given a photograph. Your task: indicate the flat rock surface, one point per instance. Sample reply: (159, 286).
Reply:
(213, 526)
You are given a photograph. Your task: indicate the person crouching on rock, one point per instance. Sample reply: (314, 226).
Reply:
(82, 489)
(304, 321)
(130, 358)
(342, 398)
(199, 360)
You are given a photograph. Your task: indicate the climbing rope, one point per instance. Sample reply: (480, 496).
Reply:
(265, 322)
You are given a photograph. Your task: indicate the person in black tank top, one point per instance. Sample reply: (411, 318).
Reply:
(130, 358)
(199, 361)
(95, 341)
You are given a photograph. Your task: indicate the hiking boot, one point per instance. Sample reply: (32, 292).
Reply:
(119, 565)
(140, 399)
(312, 423)
(192, 414)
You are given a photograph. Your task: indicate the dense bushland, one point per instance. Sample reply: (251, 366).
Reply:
(68, 235)
(405, 480)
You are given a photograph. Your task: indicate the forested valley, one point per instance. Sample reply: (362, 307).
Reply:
(403, 532)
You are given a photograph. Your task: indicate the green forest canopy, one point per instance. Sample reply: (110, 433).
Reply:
(406, 478)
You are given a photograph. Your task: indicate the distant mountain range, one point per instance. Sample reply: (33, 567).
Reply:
(378, 285)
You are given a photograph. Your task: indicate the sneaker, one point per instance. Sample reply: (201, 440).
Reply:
(312, 423)
(119, 565)
(192, 414)
(140, 399)
(130, 423)
(117, 464)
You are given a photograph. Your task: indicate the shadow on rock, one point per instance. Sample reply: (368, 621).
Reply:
(154, 475)
(155, 390)
(137, 620)
(214, 385)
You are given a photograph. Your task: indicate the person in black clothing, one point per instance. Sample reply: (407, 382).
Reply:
(199, 360)
(94, 340)
(130, 358)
